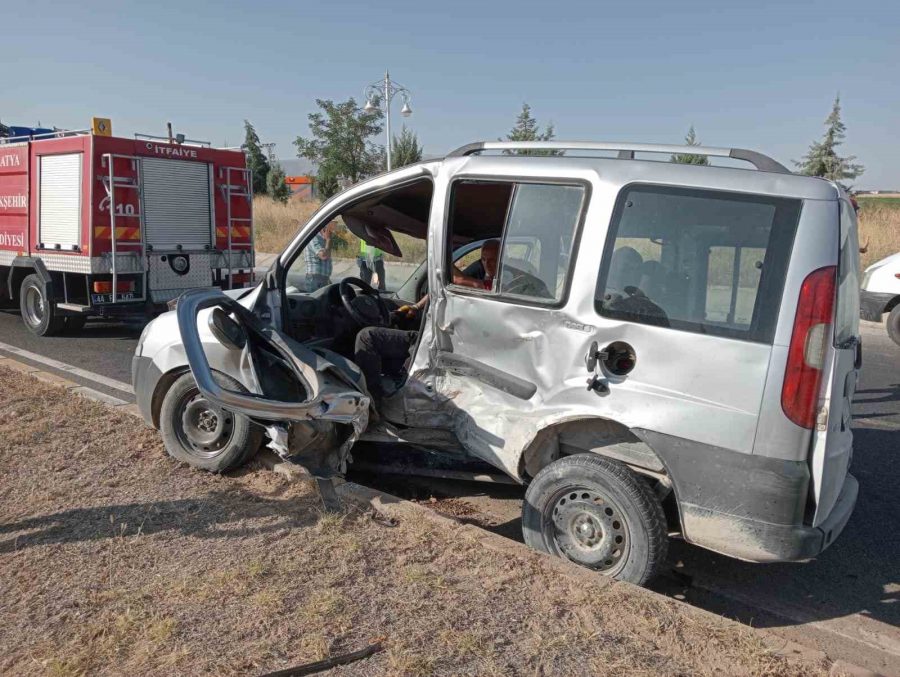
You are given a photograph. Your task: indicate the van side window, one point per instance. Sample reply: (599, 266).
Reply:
(711, 262)
(532, 224)
(732, 282)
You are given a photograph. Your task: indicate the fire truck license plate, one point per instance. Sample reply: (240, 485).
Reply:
(107, 298)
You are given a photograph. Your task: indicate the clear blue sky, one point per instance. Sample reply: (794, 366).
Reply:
(759, 75)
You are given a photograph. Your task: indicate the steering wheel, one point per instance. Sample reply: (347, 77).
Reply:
(367, 309)
(527, 285)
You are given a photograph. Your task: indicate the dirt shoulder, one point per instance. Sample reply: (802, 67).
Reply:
(114, 559)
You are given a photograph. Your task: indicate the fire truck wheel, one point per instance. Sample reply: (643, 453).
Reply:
(204, 436)
(38, 311)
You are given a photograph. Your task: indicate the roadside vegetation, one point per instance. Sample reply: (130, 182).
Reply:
(115, 559)
(879, 228)
(276, 224)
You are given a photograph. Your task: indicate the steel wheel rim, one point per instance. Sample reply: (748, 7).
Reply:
(203, 429)
(34, 306)
(589, 528)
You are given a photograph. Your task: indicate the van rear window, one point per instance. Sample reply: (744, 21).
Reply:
(711, 262)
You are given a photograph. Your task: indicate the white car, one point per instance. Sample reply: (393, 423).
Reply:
(880, 294)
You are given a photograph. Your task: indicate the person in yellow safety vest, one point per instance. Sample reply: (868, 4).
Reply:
(369, 260)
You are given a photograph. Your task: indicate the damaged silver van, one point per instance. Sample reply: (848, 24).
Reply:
(658, 348)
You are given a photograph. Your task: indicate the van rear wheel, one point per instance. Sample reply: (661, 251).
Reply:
(597, 513)
(38, 310)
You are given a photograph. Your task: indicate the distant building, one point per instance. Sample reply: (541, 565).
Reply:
(302, 187)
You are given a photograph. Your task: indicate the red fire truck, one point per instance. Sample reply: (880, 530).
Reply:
(96, 225)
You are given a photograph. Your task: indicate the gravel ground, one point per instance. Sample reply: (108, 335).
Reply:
(114, 559)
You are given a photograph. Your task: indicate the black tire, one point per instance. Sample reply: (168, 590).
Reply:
(185, 419)
(893, 324)
(597, 513)
(74, 323)
(38, 310)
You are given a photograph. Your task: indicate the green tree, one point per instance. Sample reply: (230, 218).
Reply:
(276, 184)
(256, 159)
(327, 183)
(339, 143)
(405, 149)
(690, 158)
(527, 129)
(822, 158)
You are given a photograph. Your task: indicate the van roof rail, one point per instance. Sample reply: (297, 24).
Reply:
(626, 151)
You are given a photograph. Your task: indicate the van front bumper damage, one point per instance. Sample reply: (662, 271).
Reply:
(745, 506)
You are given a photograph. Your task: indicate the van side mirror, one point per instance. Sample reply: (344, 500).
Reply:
(227, 330)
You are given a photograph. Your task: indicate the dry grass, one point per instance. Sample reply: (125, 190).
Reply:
(879, 228)
(116, 560)
(276, 225)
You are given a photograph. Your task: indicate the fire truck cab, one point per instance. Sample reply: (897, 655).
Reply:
(96, 225)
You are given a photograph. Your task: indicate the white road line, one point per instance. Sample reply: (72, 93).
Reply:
(69, 369)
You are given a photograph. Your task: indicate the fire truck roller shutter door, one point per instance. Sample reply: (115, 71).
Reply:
(59, 216)
(177, 210)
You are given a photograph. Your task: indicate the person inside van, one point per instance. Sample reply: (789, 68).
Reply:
(385, 351)
(481, 273)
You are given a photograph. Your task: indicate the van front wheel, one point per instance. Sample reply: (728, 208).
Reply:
(201, 434)
(597, 513)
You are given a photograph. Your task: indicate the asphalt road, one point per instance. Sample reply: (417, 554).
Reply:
(845, 602)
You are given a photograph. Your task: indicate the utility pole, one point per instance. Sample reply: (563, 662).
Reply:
(378, 96)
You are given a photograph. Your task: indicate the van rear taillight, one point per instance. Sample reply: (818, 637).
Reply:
(809, 346)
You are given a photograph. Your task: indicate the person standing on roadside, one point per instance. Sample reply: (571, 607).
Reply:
(369, 260)
(318, 258)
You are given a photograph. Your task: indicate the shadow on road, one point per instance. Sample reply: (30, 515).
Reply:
(878, 395)
(859, 573)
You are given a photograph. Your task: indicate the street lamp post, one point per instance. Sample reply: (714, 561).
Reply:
(384, 91)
